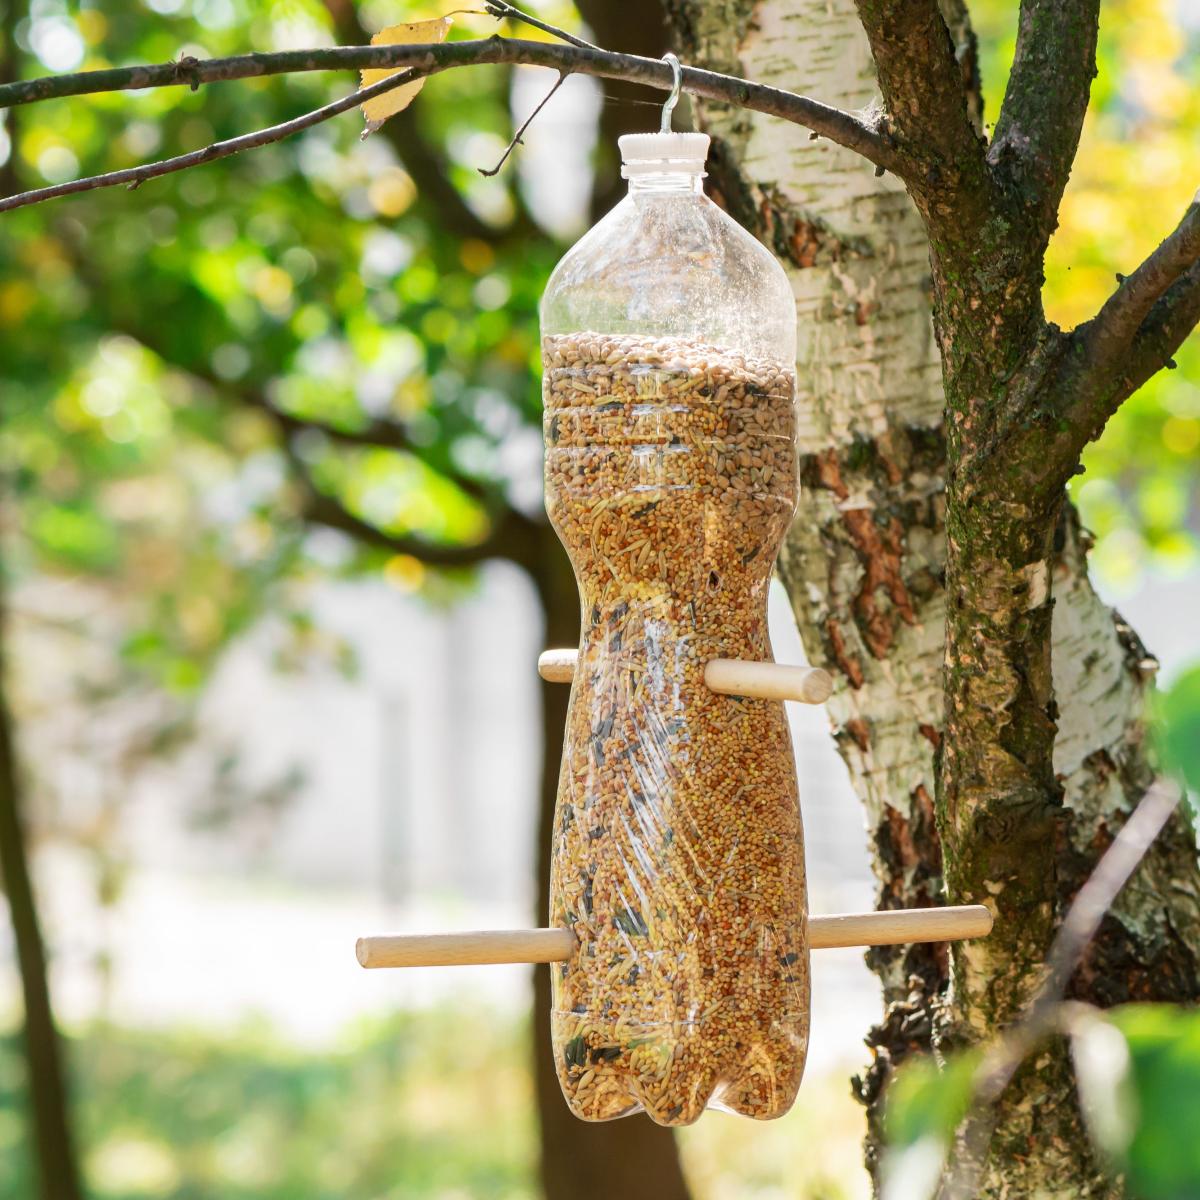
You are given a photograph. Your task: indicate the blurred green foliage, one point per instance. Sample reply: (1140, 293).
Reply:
(150, 340)
(1138, 1068)
(1142, 1097)
(1177, 729)
(145, 339)
(141, 335)
(431, 1104)
(926, 1100)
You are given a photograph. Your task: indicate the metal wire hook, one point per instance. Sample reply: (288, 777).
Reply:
(673, 98)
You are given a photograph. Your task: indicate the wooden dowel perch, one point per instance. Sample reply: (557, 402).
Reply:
(894, 928)
(730, 676)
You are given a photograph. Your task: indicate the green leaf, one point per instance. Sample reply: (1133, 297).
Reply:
(925, 1100)
(924, 1106)
(1142, 1096)
(75, 535)
(1177, 730)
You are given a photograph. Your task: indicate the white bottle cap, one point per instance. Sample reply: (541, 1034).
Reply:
(663, 153)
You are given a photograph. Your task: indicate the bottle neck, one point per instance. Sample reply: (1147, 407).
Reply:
(666, 183)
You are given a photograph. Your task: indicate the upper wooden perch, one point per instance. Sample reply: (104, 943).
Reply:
(730, 676)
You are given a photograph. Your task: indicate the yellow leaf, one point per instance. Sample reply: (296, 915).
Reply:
(378, 110)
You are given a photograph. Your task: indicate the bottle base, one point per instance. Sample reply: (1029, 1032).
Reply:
(674, 1085)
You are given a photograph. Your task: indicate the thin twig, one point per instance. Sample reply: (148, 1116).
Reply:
(1095, 898)
(500, 10)
(134, 177)
(516, 137)
(1043, 1017)
(846, 129)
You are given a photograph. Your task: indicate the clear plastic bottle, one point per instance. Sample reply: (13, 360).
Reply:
(668, 344)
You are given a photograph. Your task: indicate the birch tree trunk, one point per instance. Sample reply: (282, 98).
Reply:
(865, 569)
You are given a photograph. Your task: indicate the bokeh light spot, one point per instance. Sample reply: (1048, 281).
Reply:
(392, 192)
(404, 572)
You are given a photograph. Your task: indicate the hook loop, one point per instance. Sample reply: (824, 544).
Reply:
(676, 88)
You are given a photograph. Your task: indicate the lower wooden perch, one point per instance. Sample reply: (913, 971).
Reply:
(894, 928)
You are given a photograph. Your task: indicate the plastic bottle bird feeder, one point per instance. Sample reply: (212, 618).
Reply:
(681, 936)
(678, 859)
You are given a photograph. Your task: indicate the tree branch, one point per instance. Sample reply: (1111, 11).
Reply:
(511, 531)
(1037, 130)
(1111, 331)
(1072, 383)
(1134, 335)
(387, 435)
(844, 128)
(502, 11)
(515, 140)
(511, 537)
(134, 177)
(926, 100)
(1170, 321)
(375, 434)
